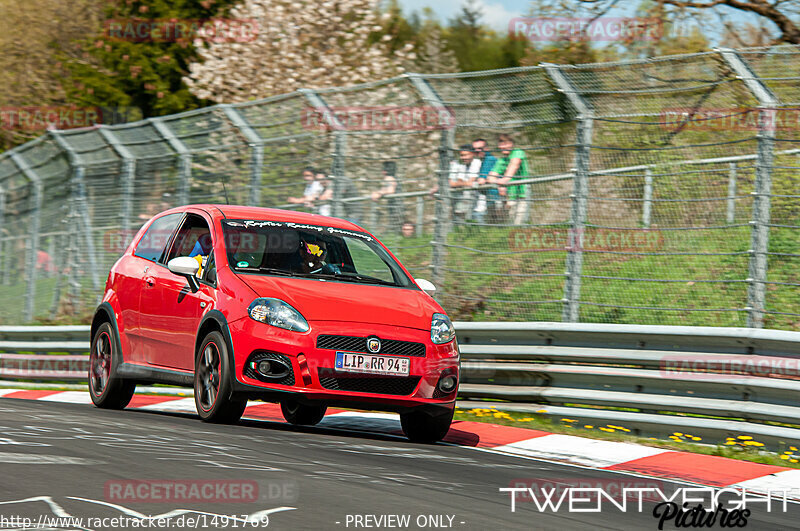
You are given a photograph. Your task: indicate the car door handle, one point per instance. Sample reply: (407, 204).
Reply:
(150, 281)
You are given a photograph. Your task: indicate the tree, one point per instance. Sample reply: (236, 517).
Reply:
(479, 48)
(137, 59)
(783, 15)
(301, 43)
(33, 35)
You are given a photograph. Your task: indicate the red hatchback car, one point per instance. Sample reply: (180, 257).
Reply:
(254, 303)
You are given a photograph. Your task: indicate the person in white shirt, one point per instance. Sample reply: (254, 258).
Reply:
(313, 189)
(463, 176)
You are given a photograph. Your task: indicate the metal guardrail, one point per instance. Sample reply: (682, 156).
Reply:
(652, 380)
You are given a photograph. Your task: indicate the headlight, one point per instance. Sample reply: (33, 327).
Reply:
(275, 312)
(442, 330)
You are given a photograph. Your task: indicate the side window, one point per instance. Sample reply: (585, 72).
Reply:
(154, 242)
(366, 262)
(193, 239)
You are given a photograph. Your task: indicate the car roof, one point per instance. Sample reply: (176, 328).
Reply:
(273, 214)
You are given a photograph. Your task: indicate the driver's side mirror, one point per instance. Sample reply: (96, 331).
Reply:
(426, 286)
(186, 267)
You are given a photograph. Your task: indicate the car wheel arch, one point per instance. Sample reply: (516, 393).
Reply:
(105, 314)
(215, 321)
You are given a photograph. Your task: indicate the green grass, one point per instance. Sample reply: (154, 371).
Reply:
(740, 448)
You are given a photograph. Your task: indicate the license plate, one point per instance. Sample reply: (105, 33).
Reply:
(367, 363)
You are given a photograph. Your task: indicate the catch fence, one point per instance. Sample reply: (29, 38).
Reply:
(658, 191)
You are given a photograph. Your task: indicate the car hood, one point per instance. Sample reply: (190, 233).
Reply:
(348, 301)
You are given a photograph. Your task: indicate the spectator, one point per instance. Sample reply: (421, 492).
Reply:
(463, 176)
(390, 185)
(512, 166)
(488, 200)
(325, 195)
(408, 229)
(312, 190)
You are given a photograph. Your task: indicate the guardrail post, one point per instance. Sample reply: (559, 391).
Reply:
(78, 172)
(339, 147)
(580, 193)
(256, 144)
(33, 244)
(184, 160)
(767, 106)
(127, 176)
(443, 202)
(730, 215)
(647, 205)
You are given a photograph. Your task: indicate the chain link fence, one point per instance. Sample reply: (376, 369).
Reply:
(659, 191)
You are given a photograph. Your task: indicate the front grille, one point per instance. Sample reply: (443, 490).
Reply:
(385, 385)
(359, 344)
(261, 355)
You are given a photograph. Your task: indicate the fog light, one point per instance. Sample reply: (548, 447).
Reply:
(264, 367)
(447, 383)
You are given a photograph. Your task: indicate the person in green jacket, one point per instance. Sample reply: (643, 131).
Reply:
(511, 166)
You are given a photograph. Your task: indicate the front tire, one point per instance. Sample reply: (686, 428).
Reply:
(301, 414)
(423, 427)
(213, 375)
(107, 390)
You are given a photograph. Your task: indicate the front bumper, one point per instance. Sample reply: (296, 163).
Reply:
(315, 373)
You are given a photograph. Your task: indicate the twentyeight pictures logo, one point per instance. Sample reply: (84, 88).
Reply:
(600, 29)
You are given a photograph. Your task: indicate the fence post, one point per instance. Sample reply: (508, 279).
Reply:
(127, 176)
(256, 144)
(33, 244)
(339, 147)
(442, 208)
(82, 204)
(3, 244)
(184, 161)
(730, 216)
(647, 205)
(767, 105)
(580, 193)
(420, 215)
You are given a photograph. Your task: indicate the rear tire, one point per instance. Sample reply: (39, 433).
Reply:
(301, 414)
(107, 390)
(213, 376)
(422, 427)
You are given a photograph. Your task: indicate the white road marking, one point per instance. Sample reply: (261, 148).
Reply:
(580, 450)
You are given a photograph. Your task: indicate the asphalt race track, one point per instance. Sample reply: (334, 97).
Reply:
(63, 460)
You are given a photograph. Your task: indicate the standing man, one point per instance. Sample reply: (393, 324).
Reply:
(312, 190)
(488, 200)
(512, 166)
(463, 176)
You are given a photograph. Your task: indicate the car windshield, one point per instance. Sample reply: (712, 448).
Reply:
(311, 251)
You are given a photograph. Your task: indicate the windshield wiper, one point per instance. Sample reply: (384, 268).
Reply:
(270, 270)
(355, 276)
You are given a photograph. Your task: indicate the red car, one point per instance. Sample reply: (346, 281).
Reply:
(254, 303)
